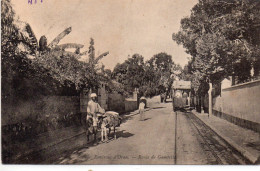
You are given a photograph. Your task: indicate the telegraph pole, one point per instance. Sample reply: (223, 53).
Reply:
(210, 98)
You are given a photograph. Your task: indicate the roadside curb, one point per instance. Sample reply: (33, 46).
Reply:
(240, 149)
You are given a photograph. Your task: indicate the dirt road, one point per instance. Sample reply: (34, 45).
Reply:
(138, 142)
(152, 141)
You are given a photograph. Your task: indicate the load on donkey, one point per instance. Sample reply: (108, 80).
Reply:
(97, 119)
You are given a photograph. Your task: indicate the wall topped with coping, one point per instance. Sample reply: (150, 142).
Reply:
(240, 102)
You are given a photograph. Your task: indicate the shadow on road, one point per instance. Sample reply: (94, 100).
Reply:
(123, 134)
(146, 119)
(80, 155)
(158, 107)
(126, 118)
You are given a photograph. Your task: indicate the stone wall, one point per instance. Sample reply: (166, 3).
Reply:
(109, 101)
(116, 102)
(26, 121)
(44, 107)
(130, 105)
(240, 104)
(103, 97)
(84, 98)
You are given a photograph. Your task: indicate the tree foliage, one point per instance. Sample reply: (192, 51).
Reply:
(162, 65)
(14, 62)
(30, 69)
(130, 73)
(223, 39)
(152, 77)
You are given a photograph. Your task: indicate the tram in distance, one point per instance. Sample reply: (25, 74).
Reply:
(181, 95)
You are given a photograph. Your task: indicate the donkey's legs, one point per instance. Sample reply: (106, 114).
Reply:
(102, 134)
(88, 137)
(105, 130)
(109, 130)
(114, 132)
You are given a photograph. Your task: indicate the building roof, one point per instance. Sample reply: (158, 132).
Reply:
(181, 84)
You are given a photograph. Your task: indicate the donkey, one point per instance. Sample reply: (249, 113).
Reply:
(109, 120)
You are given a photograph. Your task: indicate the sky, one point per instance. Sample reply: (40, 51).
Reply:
(122, 27)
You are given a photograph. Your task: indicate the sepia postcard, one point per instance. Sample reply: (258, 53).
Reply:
(130, 82)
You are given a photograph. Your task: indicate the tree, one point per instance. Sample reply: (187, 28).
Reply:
(186, 72)
(65, 67)
(130, 73)
(14, 62)
(119, 72)
(152, 77)
(220, 37)
(95, 72)
(163, 66)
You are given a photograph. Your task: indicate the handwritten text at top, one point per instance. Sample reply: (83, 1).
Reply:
(34, 1)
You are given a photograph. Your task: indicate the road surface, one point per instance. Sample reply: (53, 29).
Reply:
(157, 140)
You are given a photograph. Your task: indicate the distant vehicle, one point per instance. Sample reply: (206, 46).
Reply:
(181, 92)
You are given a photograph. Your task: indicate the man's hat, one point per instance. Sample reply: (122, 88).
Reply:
(93, 95)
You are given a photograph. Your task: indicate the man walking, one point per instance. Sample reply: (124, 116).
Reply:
(141, 110)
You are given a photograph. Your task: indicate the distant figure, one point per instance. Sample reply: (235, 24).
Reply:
(141, 110)
(185, 98)
(163, 98)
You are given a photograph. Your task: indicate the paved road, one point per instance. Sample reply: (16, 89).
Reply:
(153, 142)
